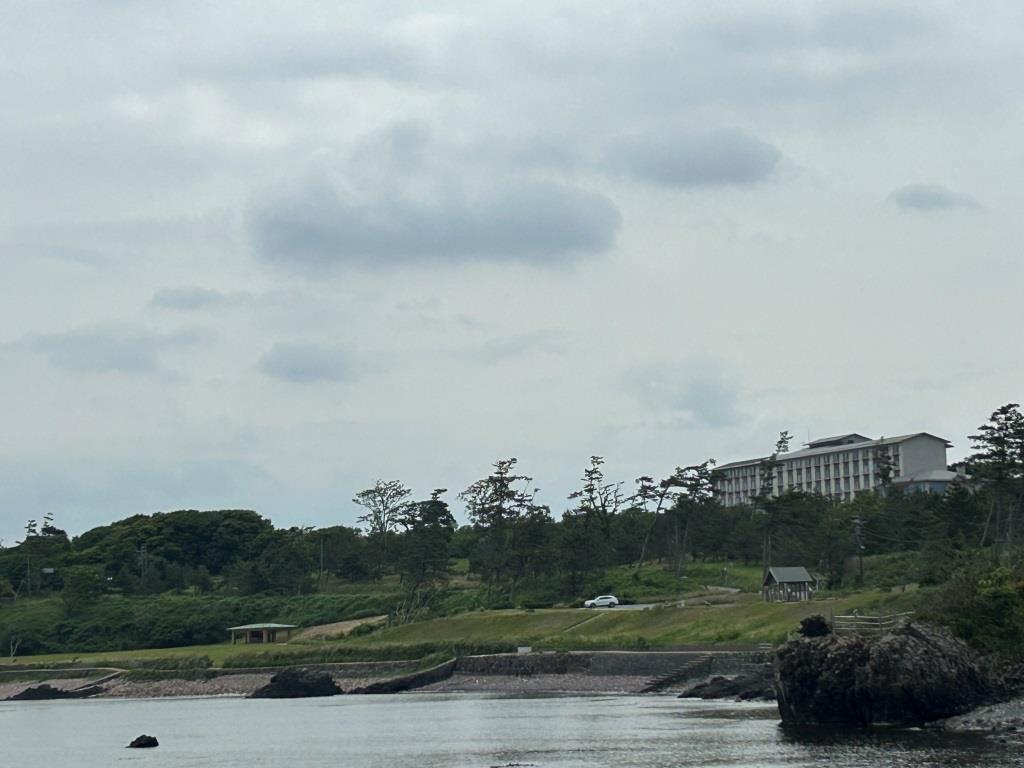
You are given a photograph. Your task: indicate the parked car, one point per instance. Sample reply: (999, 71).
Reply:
(602, 601)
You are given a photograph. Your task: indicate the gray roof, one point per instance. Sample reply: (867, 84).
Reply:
(788, 574)
(263, 626)
(837, 438)
(832, 449)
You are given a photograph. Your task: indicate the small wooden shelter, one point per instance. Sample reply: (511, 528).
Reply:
(787, 585)
(261, 633)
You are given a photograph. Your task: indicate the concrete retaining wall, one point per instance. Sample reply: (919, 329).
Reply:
(635, 663)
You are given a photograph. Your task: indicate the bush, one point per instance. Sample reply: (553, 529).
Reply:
(168, 621)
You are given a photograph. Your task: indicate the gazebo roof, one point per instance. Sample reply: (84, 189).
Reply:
(263, 626)
(788, 575)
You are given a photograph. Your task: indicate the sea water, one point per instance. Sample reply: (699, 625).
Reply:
(456, 730)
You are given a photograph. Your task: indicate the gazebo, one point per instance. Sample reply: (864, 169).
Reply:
(787, 585)
(261, 633)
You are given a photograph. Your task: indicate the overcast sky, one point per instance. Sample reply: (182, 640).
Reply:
(256, 255)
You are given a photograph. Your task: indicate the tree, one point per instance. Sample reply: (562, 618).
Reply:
(884, 466)
(586, 532)
(597, 500)
(764, 506)
(655, 497)
(998, 466)
(83, 585)
(428, 527)
(502, 508)
(384, 503)
(285, 564)
(696, 497)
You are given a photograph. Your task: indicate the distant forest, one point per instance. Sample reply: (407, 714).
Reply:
(519, 552)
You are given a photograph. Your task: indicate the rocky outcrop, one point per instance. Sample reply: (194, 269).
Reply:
(144, 742)
(46, 692)
(748, 687)
(297, 683)
(402, 683)
(814, 626)
(911, 675)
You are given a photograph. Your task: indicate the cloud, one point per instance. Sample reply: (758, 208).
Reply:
(697, 392)
(193, 297)
(305, 363)
(316, 227)
(82, 491)
(717, 158)
(518, 345)
(109, 350)
(927, 198)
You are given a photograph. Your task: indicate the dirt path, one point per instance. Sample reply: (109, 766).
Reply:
(324, 631)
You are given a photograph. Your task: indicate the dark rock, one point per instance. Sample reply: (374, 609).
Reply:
(144, 742)
(46, 692)
(297, 684)
(747, 687)
(402, 683)
(912, 675)
(814, 626)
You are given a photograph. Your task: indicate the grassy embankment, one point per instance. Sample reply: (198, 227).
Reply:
(707, 618)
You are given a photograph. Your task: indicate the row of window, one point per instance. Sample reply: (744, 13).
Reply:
(855, 482)
(844, 494)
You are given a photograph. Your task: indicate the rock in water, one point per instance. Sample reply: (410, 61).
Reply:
(45, 692)
(754, 686)
(912, 675)
(144, 742)
(297, 684)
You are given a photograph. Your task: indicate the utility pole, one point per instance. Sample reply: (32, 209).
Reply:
(321, 579)
(28, 575)
(857, 523)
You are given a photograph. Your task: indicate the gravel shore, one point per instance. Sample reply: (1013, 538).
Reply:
(569, 683)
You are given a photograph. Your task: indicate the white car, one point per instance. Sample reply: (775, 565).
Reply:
(602, 601)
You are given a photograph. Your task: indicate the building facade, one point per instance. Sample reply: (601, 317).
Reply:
(839, 467)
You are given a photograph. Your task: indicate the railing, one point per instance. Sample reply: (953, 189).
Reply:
(855, 624)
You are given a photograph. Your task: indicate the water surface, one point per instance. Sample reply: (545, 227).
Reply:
(475, 731)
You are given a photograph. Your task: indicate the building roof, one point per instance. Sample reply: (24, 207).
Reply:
(263, 626)
(847, 439)
(833, 449)
(788, 574)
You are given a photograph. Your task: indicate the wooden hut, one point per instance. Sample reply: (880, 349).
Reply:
(787, 585)
(261, 633)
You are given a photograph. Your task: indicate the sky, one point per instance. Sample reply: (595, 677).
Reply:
(258, 255)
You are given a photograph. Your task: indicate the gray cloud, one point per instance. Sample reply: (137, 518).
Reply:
(192, 298)
(931, 197)
(725, 157)
(103, 350)
(305, 363)
(316, 227)
(81, 492)
(697, 392)
(517, 345)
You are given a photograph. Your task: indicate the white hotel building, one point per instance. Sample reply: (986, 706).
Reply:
(840, 467)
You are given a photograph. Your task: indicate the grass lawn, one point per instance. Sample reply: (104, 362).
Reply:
(217, 654)
(745, 620)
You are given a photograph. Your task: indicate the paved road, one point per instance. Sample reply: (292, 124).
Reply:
(636, 607)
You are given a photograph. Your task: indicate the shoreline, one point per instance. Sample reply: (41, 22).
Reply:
(241, 685)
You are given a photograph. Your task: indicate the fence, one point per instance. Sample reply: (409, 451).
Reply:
(867, 624)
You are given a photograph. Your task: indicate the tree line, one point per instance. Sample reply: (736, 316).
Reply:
(518, 550)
